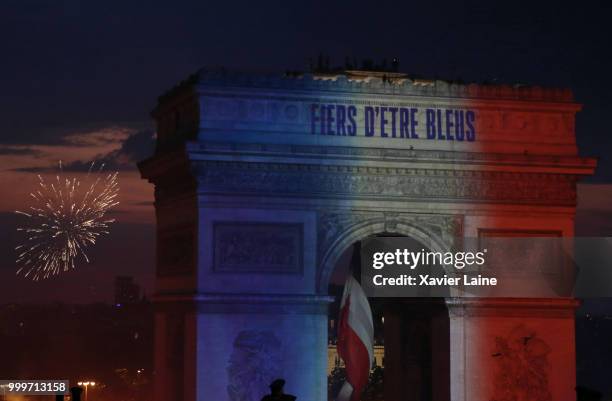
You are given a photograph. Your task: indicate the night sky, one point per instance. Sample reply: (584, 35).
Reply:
(80, 78)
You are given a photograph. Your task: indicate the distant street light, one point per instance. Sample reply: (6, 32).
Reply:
(86, 385)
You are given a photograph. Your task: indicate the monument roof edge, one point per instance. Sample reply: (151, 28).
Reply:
(349, 81)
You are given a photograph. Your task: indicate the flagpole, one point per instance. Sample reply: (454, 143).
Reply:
(355, 264)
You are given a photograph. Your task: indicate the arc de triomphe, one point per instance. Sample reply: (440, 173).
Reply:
(262, 182)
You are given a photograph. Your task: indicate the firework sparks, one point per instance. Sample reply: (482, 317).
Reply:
(66, 218)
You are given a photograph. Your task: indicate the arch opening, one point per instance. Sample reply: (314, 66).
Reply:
(411, 338)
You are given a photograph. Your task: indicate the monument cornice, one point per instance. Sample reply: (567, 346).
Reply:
(519, 307)
(277, 179)
(245, 303)
(366, 98)
(366, 173)
(348, 82)
(359, 157)
(243, 298)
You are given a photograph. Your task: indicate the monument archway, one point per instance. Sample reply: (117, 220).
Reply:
(343, 230)
(412, 333)
(262, 181)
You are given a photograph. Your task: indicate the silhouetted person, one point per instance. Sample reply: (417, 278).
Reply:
(277, 393)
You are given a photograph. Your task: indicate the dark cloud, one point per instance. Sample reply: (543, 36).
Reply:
(74, 133)
(136, 147)
(18, 151)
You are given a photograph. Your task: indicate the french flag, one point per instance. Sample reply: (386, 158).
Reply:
(355, 340)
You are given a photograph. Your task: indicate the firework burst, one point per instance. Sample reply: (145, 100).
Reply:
(66, 218)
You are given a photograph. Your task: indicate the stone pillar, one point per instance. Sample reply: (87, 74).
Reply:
(245, 342)
(512, 349)
(236, 294)
(231, 347)
(258, 315)
(171, 357)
